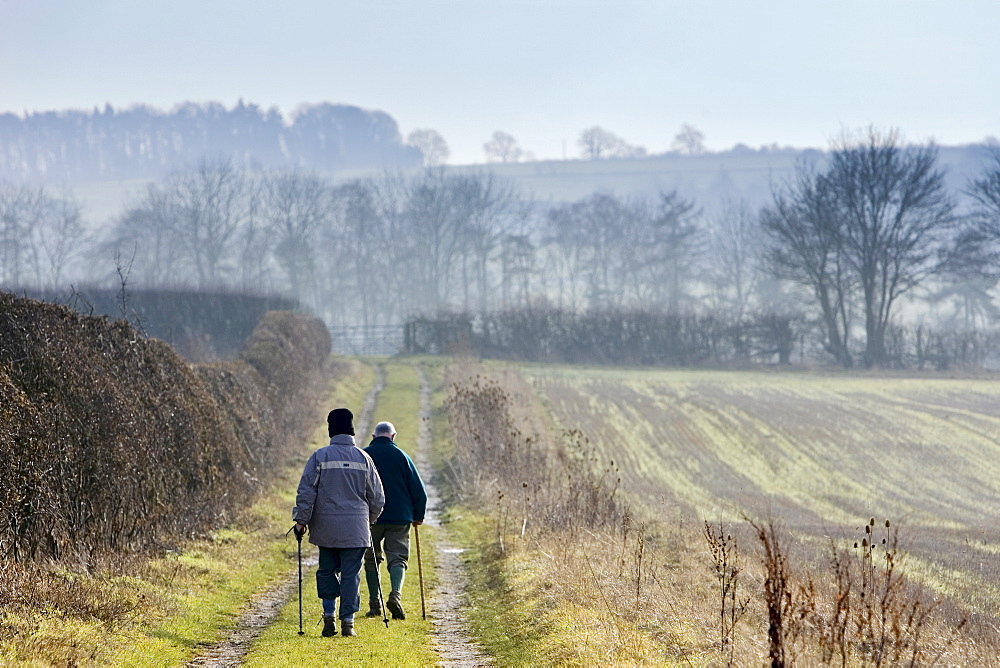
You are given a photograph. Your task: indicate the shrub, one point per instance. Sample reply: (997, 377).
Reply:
(114, 444)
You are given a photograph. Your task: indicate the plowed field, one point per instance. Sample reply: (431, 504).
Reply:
(820, 453)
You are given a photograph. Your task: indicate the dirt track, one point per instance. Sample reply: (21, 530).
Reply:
(445, 605)
(264, 608)
(448, 601)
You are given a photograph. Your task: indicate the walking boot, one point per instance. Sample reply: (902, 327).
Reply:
(347, 628)
(329, 626)
(395, 605)
(374, 609)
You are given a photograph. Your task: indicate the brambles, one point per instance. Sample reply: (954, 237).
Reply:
(118, 445)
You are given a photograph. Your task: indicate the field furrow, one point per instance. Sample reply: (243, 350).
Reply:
(821, 453)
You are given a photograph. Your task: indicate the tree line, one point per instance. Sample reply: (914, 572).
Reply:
(857, 247)
(143, 142)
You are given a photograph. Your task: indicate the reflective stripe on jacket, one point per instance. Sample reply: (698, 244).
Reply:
(340, 495)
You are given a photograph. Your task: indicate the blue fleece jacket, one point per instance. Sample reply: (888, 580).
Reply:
(405, 497)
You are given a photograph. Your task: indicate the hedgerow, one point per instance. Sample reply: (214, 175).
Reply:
(113, 444)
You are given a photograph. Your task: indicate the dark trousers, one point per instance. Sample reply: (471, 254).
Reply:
(339, 576)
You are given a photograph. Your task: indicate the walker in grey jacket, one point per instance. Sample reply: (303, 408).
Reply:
(340, 495)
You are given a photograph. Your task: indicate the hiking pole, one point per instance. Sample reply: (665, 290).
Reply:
(378, 573)
(381, 601)
(298, 538)
(420, 571)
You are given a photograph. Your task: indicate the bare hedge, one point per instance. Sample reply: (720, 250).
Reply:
(605, 337)
(110, 442)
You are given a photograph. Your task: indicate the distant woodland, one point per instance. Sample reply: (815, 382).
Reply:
(877, 252)
(142, 142)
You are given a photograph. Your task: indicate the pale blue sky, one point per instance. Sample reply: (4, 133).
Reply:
(793, 72)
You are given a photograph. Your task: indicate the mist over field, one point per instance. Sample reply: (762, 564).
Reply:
(334, 209)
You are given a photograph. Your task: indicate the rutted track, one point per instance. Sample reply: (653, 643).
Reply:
(264, 608)
(445, 605)
(448, 601)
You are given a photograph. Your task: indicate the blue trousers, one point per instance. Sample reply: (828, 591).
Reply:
(339, 576)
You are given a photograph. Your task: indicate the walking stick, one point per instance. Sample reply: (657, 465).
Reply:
(420, 571)
(298, 537)
(378, 572)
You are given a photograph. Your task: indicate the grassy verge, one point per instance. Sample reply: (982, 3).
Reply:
(653, 585)
(505, 620)
(404, 643)
(193, 595)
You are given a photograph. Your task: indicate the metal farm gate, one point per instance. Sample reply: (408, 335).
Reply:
(367, 339)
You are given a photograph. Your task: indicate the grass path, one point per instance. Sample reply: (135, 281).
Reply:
(264, 607)
(438, 640)
(231, 599)
(194, 595)
(449, 605)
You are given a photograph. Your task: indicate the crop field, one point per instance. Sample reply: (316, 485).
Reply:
(820, 454)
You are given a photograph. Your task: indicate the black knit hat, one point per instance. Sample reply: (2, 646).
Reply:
(340, 421)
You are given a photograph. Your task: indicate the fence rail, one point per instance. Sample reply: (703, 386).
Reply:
(367, 339)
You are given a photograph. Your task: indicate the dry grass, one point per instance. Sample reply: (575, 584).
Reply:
(610, 530)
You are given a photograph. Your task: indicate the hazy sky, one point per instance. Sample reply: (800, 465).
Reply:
(793, 72)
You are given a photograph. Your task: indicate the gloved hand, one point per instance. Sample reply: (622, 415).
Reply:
(299, 529)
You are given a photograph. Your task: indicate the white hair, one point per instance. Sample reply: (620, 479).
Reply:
(384, 429)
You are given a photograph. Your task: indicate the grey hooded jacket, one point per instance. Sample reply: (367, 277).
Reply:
(340, 495)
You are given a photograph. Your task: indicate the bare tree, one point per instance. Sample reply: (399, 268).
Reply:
(487, 206)
(587, 233)
(431, 144)
(369, 260)
(212, 204)
(973, 267)
(435, 226)
(18, 211)
(40, 235)
(898, 219)
(517, 268)
(878, 219)
(58, 238)
(254, 245)
(980, 252)
(189, 229)
(804, 247)
(735, 254)
(607, 249)
(689, 140)
(296, 207)
(502, 147)
(145, 231)
(564, 247)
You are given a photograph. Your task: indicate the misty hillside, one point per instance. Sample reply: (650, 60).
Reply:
(710, 179)
(142, 142)
(108, 156)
